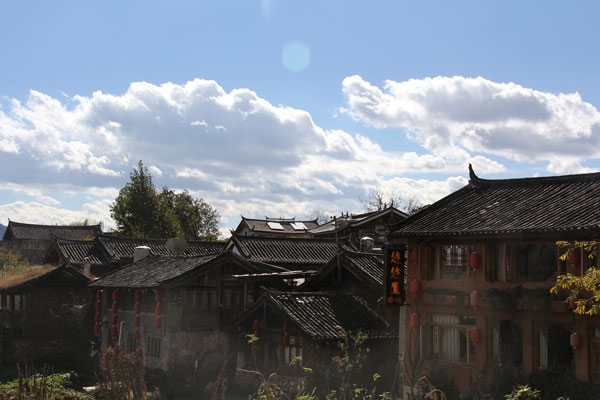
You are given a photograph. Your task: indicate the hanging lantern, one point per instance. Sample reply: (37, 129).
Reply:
(115, 295)
(286, 340)
(576, 340)
(136, 334)
(98, 294)
(114, 331)
(415, 287)
(138, 295)
(136, 321)
(115, 308)
(158, 322)
(158, 309)
(96, 329)
(414, 255)
(158, 296)
(115, 319)
(474, 260)
(97, 318)
(137, 308)
(285, 326)
(414, 320)
(574, 256)
(474, 299)
(475, 335)
(98, 306)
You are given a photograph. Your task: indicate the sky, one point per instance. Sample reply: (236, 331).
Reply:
(278, 108)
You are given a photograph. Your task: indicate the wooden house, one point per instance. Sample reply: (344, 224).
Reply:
(275, 227)
(310, 325)
(107, 252)
(175, 308)
(354, 227)
(32, 241)
(44, 318)
(481, 262)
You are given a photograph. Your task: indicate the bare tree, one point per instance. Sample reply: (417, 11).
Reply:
(378, 200)
(320, 215)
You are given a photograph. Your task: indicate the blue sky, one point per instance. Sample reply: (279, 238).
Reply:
(397, 95)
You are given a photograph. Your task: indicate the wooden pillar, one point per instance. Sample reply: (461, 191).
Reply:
(581, 354)
(528, 346)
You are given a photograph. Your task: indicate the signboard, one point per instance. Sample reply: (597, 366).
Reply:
(394, 284)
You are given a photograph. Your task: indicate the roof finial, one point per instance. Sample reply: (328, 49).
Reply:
(472, 175)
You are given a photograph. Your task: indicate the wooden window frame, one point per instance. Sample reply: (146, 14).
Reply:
(436, 345)
(153, 346)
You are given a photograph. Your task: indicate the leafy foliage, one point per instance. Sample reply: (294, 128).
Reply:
(123, 374)
(141, 211)
(582, 291)
(41, 386)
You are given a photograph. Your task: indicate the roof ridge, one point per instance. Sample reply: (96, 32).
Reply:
(571, 178)
(54, 226)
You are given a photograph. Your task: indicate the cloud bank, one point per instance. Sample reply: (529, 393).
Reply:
(454, 117)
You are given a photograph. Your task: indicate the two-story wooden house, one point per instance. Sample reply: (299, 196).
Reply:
(481, 262)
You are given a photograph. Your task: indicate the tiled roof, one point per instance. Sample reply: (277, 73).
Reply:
(76, 252)
(321, 315)
(368, 265)
(568, 203)
(154, 271)
(355, 220)
(20, 230)
(262, 225)
(122, 247)
(57, 277)
(287, 251)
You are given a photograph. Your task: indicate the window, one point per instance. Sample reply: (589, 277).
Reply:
(204, 298)
(451, 338)
(130, 344)
(153, 346)
(292, 351)
(232, 298)
(495, 263)
(536, 262)
(449, 261)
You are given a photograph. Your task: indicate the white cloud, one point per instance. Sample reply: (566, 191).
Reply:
(454, 117)
(37, 213)
(29, 191)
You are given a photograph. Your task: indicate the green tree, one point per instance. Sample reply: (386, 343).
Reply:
(140, 211)
(582, 291)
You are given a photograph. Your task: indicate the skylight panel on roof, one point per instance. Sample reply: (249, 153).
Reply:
(275, 225)
(298, 226)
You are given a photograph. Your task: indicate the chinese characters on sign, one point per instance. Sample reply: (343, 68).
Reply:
(395, 288)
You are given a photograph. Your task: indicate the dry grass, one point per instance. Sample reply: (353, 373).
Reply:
(19, 275)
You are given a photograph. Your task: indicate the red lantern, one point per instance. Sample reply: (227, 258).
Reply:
(158, 309)
(285, 326)
(414, 320)
(138, 295)
(115, 295)
(158, 296)
(136, 321)
(415, 287)
(98, 294)
(115, 319)
(114, 331)
(574, 257)
(286, 340)
(474, 260)
(136, 333)
(255, 326)
(98, 306)
(96, 329)
(97, 317)
(328, 348)
(414, 255)
(576, 340)
(158, 323)
(474, 299)
(475, 335)
(137, 308)
(115, 308)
